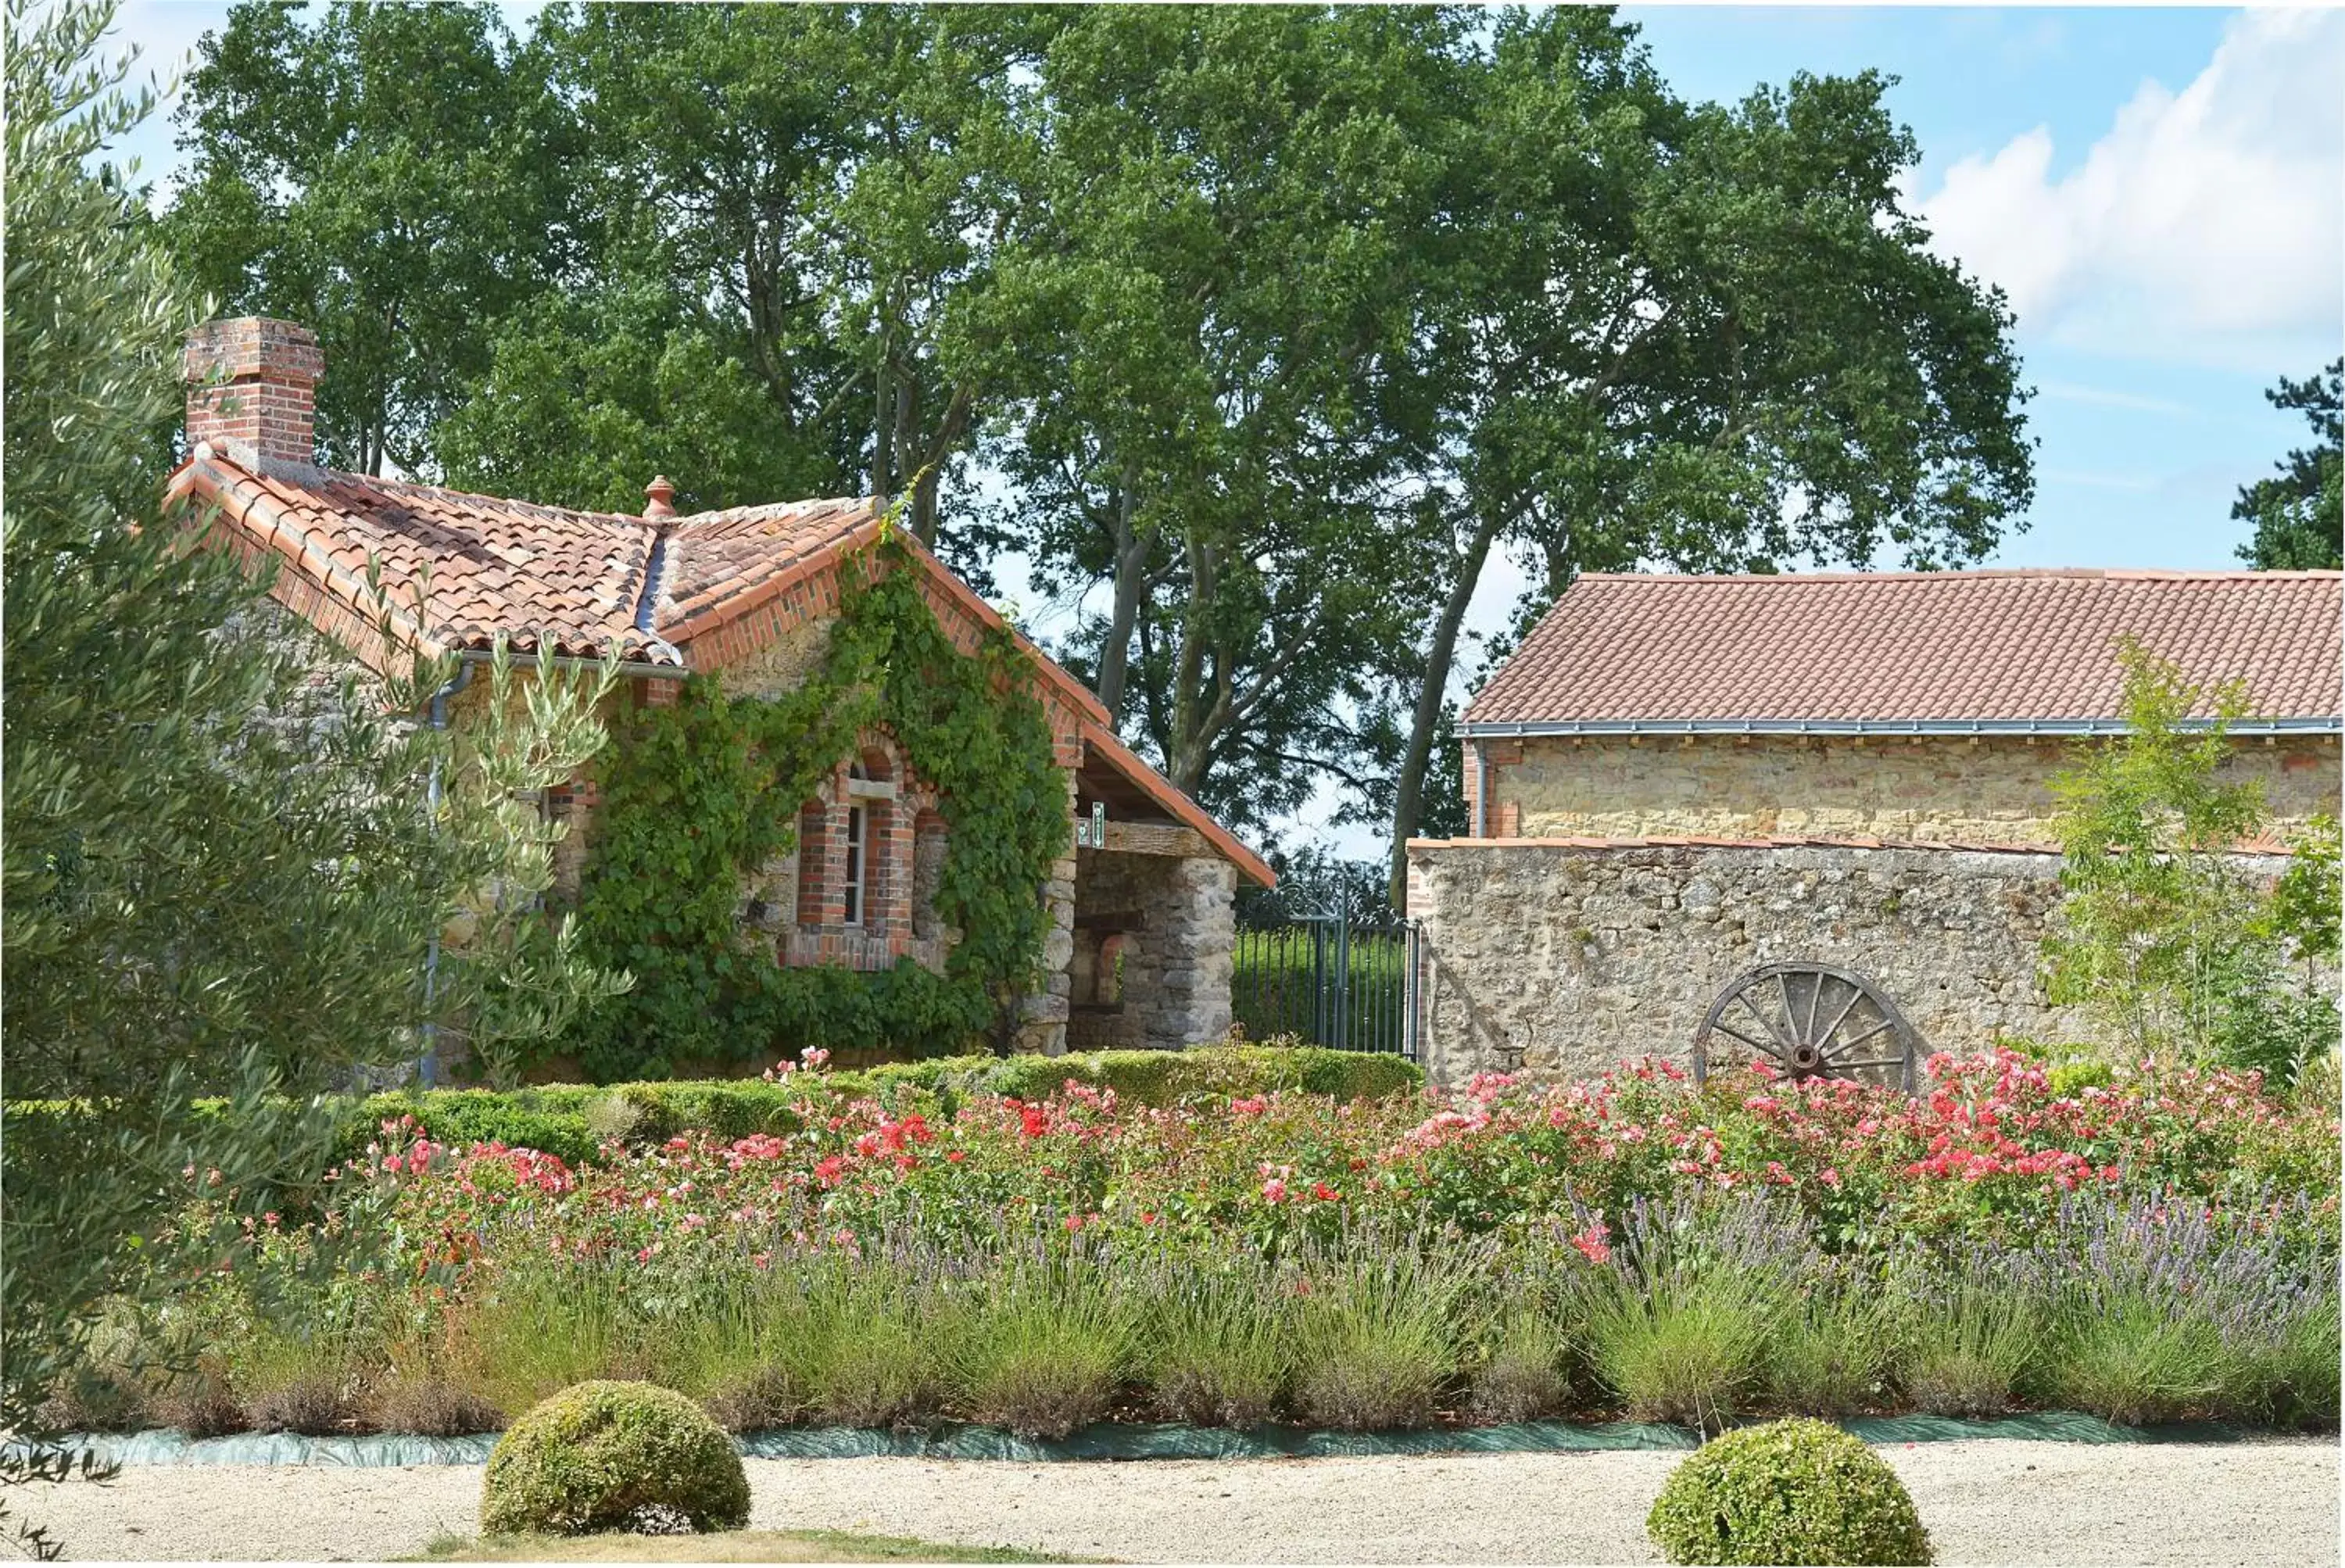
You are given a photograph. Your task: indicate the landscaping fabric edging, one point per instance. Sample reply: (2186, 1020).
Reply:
(1123, 1441)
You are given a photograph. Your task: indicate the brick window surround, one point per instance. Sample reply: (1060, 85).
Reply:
(857, 844)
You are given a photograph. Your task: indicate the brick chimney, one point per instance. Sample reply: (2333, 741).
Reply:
(252, 389)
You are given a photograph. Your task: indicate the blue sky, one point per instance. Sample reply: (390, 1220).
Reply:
(2144, 149)
(2160, 191)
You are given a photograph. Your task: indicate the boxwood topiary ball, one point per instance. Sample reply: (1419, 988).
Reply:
(1791, 1492)
(612, 1456)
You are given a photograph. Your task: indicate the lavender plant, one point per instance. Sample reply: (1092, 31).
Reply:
(2161, 1311)
(1678, 1324)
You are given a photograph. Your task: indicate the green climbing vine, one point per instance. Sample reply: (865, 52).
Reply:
(697, 796)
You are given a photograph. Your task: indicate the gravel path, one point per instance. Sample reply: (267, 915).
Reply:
(1987, 1501)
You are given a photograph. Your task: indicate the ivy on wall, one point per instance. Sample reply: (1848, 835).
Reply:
(697, 795)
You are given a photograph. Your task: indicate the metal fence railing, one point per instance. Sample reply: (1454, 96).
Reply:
(1351, 985)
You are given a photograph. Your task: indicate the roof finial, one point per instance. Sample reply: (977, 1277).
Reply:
(659, 503)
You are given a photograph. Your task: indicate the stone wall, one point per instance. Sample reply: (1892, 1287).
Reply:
(1153, 938)
(1993, 789)
(1557, 961)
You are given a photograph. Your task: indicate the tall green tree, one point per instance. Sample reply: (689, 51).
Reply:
(587, 395)
(796, 196)
(393, 177)
(221, 877)
(1196, 315)
(1255, 333)
(2300, 513)
(1698, 338)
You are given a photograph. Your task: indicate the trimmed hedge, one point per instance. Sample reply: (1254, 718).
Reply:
(571, 1120)
(612, 1456)
(1790, 1492)
(560, 1119)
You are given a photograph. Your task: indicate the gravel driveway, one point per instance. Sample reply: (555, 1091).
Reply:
(1985, 1502)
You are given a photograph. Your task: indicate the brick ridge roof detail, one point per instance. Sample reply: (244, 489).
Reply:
(1908, 648)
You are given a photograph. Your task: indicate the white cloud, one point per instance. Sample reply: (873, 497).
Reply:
(2207, 226)
(2103, 397)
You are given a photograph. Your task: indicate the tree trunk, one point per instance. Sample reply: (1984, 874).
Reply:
(1188, 744)
(1130, 578)
(883, 428)
(925, 521)
(1408, 795)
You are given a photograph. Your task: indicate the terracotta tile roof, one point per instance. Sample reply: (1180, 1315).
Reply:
(717, 561)
(553, 579)
(569, 580)
(1991, 649)
(572, 583)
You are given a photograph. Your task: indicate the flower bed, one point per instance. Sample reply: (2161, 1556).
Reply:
(2157, 1248)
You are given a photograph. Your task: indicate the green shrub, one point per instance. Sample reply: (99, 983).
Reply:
(2070, 1078)
(539, 1327)
(1968, 1351)
(2293, 1380)
(879, 1341)
(747, 1348)
(1522, 1378)
(1830, 1353)
(2135, 1362)
(1678, 1329)
(608, 1456)
(1379, 1328)
(1161, 1077)
(1792, 1491)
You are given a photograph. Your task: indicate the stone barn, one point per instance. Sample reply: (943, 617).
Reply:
(1677, 780)
(1140, 907)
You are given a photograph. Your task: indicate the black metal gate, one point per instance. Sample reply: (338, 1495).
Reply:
(1349, 984)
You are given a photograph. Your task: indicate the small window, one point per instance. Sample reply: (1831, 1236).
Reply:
(854, 888)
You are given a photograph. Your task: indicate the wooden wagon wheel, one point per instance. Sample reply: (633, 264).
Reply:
(1808, 1020)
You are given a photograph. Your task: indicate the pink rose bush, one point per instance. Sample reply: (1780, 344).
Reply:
(1985, 1153)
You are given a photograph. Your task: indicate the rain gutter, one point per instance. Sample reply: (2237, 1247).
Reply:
(1481, 790)
(1964, 726)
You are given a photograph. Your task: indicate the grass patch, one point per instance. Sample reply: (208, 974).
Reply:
(724, 1546)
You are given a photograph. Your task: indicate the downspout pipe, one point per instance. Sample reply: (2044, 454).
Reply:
(1481, 789)
(427, 1068)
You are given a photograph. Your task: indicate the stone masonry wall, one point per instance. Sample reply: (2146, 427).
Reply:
(1995, 789)
(1174, 929)
(1557, 961)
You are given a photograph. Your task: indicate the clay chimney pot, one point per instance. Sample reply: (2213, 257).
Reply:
(659, 499)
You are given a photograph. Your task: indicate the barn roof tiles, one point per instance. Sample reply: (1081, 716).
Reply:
(1917, 652)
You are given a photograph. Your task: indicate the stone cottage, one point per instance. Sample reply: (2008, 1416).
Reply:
(1677, 778)
(1140, 949)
